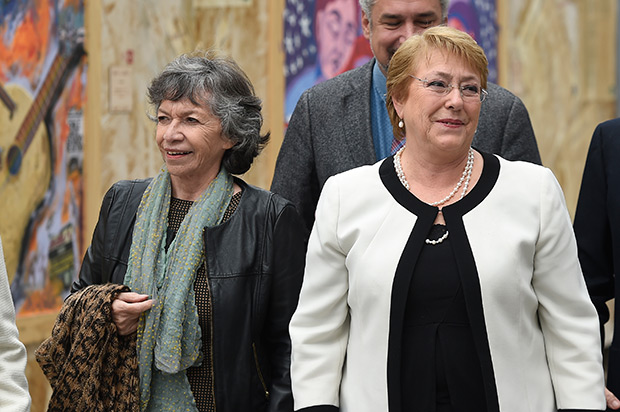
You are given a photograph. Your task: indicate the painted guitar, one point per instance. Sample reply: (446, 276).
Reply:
(26, 152)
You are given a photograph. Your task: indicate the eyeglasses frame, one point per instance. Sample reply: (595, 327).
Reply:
(483, 92)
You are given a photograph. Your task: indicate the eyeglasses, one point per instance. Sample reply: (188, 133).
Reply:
(469, 92)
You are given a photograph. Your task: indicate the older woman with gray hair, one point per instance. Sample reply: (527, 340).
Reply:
(214, 264)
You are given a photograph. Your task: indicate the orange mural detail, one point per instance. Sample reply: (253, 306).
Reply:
(27, 52)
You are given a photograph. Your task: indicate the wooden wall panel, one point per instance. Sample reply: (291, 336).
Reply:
(252, 36)
(559, 57)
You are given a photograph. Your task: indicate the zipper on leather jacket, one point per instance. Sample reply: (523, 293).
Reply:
(260, 373)
(210, 317)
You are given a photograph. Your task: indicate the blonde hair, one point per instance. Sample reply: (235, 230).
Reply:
(407, 58)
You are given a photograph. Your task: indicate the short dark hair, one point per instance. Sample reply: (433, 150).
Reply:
(221, 85)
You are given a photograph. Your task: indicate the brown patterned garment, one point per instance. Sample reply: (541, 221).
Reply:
(88, 364)
(201, 377)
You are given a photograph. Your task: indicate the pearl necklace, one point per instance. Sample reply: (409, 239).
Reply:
(463, 181)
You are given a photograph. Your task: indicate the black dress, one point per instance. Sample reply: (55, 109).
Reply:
(440, 366)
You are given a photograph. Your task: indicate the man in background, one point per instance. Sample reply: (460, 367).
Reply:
(343, 123)
(597, 230)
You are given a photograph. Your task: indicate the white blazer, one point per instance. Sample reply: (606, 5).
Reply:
(512, 234)
(14, 395)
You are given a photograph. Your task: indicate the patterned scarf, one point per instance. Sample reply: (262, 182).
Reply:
(169, 336)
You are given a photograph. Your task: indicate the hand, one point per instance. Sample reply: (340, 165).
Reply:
(126, 310)
(612, 401)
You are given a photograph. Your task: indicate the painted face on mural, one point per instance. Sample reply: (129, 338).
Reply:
(336, 29)
(394, 21)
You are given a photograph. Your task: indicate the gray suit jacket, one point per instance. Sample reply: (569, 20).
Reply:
(330, 132)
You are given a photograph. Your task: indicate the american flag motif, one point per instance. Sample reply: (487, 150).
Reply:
(299, 42)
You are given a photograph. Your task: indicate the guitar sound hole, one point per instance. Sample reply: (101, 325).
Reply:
(14, 159)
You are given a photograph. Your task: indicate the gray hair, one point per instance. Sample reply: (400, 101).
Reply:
(367, 6)
(221, 85)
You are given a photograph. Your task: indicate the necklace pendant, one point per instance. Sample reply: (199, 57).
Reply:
(437, 241)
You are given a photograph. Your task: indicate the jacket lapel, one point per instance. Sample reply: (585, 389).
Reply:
(356, 117)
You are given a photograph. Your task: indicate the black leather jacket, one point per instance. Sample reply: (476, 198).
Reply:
(255, 263)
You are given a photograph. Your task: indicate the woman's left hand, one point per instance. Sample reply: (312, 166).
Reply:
(612, 401)
(126, 310)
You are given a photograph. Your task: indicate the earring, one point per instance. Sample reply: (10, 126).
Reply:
(400, 123)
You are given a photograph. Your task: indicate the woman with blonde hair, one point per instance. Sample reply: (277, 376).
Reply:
(443, 278)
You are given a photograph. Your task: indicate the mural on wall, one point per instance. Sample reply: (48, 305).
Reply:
(42, 98)
(323, 38)
(478, 18)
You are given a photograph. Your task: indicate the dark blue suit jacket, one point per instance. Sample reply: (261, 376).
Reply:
(597, 228)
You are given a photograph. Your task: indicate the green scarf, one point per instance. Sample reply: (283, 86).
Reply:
(169, 336)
